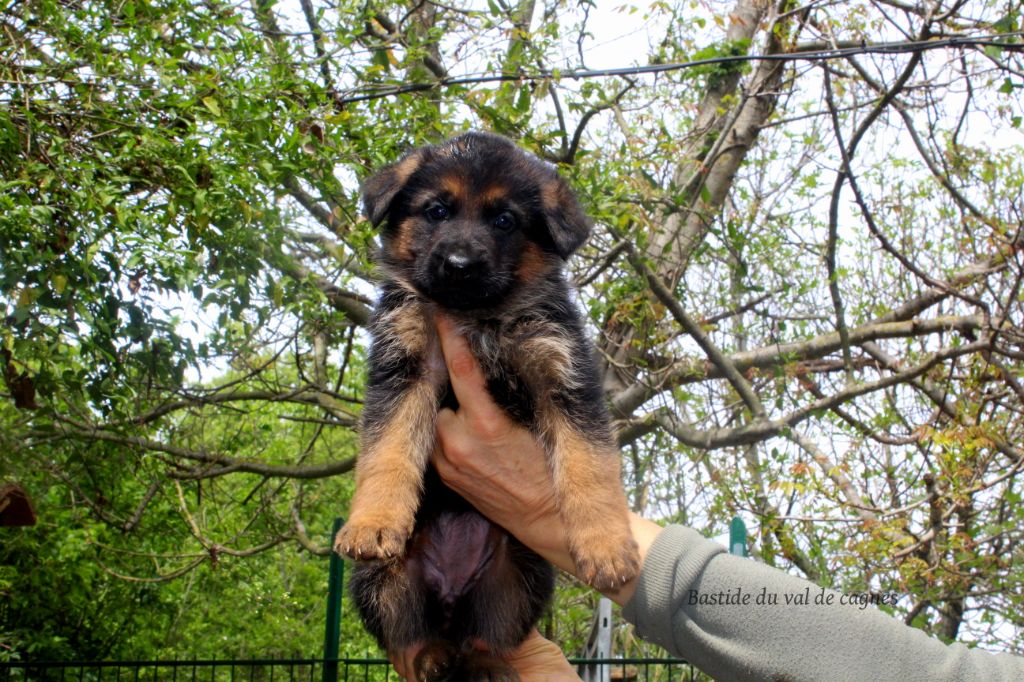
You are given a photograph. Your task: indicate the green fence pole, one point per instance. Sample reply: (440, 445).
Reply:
(332, 629)
(738, 537)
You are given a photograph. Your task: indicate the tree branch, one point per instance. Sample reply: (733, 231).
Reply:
(313, 471)
(692, 370)
(719, 359)
(710, 439)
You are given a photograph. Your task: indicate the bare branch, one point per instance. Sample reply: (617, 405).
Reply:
(719, 359)
(760, 430)
(690, 370)
(231, 464)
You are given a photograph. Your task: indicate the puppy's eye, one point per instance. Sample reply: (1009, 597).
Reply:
(504, 221)
(437, 212)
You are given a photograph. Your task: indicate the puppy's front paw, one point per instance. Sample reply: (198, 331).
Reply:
(605, 560)
(366, 541)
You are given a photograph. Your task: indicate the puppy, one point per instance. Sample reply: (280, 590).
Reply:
(480, 230)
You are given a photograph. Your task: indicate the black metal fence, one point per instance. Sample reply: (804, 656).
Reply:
(298, 670)
(251, 670)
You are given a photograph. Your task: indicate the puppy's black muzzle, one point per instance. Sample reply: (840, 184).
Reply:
(461, 276)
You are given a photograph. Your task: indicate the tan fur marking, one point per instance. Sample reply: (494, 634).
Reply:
(592, 504)
(406, 167)
(455, 187)
(393, 600)
(411, 328)
(533, 264)
(493, 195)
(409, 325)
(402, 246)
(546, 361)
(551, 195)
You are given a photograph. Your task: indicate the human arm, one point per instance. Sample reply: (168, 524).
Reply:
(500, 468)
(766, 634)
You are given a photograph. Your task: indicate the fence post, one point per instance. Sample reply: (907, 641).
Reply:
(599, 645)
(332, 629)
(738, 537)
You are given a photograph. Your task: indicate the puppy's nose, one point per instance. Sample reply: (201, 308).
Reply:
(457, 262)
(460, 265)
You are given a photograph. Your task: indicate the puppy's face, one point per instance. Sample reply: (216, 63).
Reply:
(470, 221)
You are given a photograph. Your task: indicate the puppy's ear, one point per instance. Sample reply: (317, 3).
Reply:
(567, 224)
(379, 190)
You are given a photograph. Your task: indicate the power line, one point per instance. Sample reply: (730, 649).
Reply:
(1000, 40)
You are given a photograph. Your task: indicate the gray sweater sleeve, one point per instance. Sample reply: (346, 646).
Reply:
(731, 617)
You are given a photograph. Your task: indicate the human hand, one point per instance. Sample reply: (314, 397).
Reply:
(496, 464)
(540, 660)
(501, 469)
(536, 660)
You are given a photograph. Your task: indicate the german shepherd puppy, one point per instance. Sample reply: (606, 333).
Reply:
(480, 230)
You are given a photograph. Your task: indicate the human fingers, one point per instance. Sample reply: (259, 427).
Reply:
(467, 377)
(497, 472)
(457, 447)
(403, 661)
(540, 660)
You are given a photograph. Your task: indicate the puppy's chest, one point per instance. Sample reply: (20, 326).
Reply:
(524, 364)
(524, 358)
